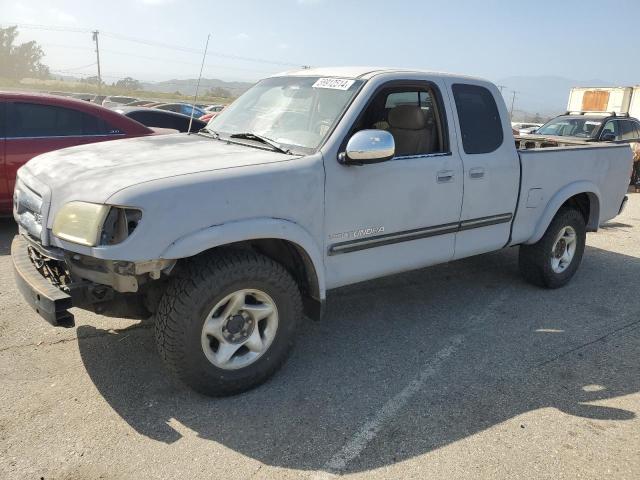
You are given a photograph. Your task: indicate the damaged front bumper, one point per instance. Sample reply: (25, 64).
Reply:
(52, 281)
(48, 300)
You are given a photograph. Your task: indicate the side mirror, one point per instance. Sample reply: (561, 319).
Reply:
(368, 146)
(608, 137)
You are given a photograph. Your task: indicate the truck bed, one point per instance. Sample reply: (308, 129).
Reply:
(526, 142)
(549, 173)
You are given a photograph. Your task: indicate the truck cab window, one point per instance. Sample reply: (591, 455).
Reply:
(410, 115)
(480, 123)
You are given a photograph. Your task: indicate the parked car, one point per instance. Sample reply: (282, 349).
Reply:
(115, 100)
(31, 124)
(581, 128)
(87, 97)
(310, 181)
(524, 128)
(153, 117)
(139, 103)
(183, 108)
(208, 116)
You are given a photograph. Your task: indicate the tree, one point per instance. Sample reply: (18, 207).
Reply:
(93, 80)
(219, 92)
(20, 61)
(128, 83)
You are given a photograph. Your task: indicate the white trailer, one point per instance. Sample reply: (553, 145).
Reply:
(600, 100)
(634, 106)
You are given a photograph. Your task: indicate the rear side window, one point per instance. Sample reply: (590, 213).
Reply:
(37, 120)
(96, 126)
(629, 130)
(480, 122)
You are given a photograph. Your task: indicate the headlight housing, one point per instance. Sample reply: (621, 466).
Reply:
(92, 224)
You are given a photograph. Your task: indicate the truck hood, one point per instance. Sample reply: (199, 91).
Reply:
(101, 169)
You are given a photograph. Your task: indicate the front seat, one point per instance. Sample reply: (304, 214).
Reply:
(412, 135)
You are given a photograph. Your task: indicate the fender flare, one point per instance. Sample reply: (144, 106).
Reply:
(250, 229)
(564, 194)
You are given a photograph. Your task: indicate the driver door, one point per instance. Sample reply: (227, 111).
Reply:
(400, 214)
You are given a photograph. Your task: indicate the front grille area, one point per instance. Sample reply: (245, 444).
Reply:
(55, 271)
(27, 209)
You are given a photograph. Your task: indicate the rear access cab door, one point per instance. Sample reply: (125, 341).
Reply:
(491, 165)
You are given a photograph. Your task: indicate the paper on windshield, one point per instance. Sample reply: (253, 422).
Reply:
(333, 83)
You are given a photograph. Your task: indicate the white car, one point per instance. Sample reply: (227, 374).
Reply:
(525, 128)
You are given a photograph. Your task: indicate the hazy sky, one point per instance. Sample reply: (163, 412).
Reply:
(578, 39)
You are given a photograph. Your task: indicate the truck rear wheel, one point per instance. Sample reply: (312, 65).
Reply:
(227, 321)
(554, 259)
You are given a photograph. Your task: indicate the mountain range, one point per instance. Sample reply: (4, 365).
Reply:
(188, 86)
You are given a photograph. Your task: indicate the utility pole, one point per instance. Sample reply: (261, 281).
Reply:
(95, 39)
(501, 87)
(513, 100)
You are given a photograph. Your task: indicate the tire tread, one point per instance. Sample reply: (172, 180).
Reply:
(206, 273)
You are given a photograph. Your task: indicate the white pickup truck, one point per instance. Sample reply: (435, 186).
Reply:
(309, 181)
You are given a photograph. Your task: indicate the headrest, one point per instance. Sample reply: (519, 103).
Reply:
(407, 117)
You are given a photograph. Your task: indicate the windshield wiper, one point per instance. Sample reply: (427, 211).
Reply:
(267, 141)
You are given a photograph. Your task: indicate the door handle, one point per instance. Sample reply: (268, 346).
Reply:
(477, 172)
(444, 176)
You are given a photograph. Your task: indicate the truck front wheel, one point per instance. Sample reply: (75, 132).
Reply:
(554, 259)
(227, 321)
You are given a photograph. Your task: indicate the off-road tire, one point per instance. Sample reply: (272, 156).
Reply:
(535, 259)
(200, 284)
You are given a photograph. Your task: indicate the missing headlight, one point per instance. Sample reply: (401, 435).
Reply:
(119, 224)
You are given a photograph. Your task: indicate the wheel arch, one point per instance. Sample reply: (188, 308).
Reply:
(281, 240)
(583, 195)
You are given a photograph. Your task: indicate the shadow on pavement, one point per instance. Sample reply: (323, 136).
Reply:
(8, 229)
(533, 349)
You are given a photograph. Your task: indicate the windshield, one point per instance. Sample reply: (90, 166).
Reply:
(571, 127)
(296, 112)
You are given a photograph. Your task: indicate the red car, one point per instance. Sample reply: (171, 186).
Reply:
(31, 124)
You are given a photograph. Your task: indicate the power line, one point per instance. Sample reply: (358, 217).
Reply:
(55, 28)
(151, 43)
(71, 69)
(158, 59)
(195, 51)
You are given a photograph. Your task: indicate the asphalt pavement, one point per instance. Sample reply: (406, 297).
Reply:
(460, 371)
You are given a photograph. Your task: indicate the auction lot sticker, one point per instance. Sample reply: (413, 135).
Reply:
(333, 83)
